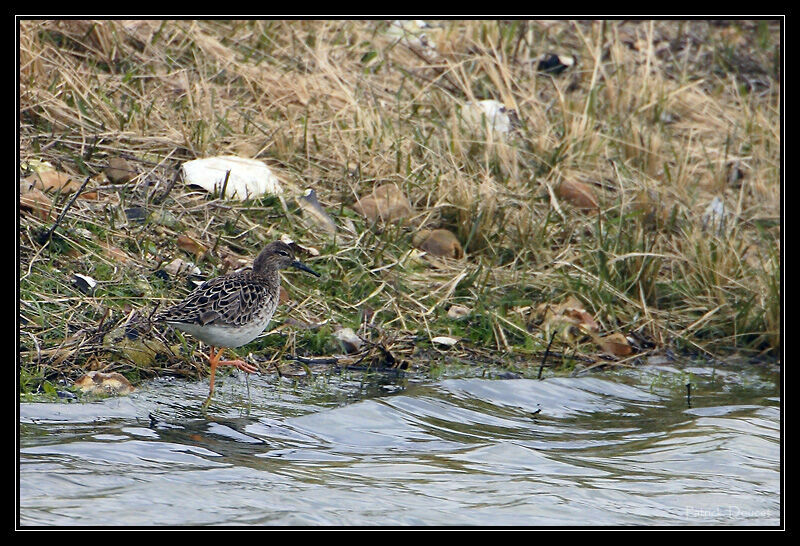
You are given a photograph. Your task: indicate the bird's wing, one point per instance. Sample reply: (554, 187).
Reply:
(222, 300)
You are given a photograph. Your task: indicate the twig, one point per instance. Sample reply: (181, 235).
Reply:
(546, 353)
(304, 360)
(46, 237)
(225, 184)
(106, 312)
(153, 312)
(160, 198)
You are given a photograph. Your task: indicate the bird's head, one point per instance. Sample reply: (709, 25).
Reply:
(278, 255)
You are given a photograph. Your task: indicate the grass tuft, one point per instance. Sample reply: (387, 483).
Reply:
(656, 120)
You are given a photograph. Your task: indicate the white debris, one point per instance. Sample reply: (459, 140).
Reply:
(312, 208)
(716, 217)
(554, 63)
(498, 117)
(178, 266)
(412, 33)
(444, 340)
(84, 283)
(249, 178)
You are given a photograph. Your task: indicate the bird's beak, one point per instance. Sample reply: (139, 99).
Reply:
(300, 265)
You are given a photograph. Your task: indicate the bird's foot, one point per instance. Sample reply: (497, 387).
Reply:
(244, 366)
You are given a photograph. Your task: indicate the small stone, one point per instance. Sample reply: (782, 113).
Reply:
(348, 339)
(580, 195)
(136, 215)
(65, 395)
(104, 383)
(387, 203)
(120, 171)
(458, 312)
(439, 242)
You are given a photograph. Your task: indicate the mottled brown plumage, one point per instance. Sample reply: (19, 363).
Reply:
(234, 309)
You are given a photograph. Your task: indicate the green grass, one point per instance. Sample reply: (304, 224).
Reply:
(342, 107)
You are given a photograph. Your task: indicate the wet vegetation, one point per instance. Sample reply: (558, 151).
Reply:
(624, 201)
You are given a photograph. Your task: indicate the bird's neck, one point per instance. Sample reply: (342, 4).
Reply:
(268, 276)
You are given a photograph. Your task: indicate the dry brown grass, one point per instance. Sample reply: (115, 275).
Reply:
(667, 109)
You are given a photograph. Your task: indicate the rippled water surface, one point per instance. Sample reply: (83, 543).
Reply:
(608, 449)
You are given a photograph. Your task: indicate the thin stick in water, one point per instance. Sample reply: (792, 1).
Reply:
(546, 353)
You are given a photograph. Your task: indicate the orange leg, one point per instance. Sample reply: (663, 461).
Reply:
(214, 361)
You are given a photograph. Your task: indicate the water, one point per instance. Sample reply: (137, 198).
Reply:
(620, 448)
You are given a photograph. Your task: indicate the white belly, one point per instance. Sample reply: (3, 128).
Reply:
(224, 336)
